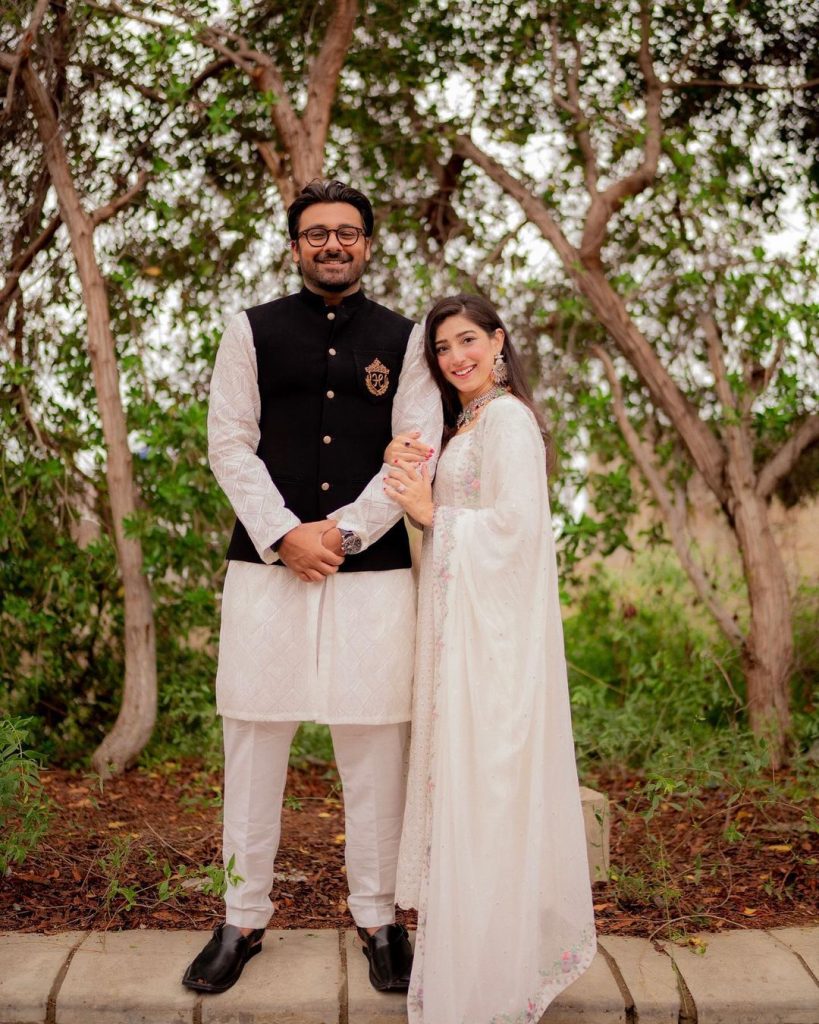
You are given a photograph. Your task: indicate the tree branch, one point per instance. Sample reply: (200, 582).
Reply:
(24, 260)
(719, 83)
(769, 371)
(120, 12)
(534, 209)
(103, 213)
(706, 451)
(265, 77)
(673, 511)
(716, 360)
(22, 52)
(302, 137)
(23, 248)
(492, 258)
(572, 106)
(325, 69)
(127, 83)
(783, 461)
(209, 71)
(740, 468)
(275, 164)
(606, 204)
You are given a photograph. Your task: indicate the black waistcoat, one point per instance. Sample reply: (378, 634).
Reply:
(327, 378)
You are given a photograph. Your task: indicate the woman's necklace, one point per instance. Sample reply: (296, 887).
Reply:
(470, 410)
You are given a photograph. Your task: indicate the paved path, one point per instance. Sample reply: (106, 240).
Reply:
(320, 977)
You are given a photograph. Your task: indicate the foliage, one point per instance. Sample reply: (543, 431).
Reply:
(806, 668)
(652, 681)
(312, 743)
(205, 237)
(659, 718)
(24, 807)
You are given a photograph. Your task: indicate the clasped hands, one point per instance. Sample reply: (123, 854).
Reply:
(312, 550)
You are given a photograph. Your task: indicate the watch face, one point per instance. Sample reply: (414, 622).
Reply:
(350, 542)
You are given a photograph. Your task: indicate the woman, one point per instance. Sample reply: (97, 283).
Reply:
(493, 852)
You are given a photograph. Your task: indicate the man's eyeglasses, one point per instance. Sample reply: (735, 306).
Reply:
(346, 235)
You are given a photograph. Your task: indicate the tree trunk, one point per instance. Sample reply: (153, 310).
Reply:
(137, 715)
(768, 652)
(768, 649)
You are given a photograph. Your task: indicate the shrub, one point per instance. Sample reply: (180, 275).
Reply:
(24, 806)
(651, 675)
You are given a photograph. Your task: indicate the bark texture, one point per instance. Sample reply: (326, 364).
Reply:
(137, 715)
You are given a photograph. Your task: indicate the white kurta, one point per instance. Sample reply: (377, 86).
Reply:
(493, 851)
(340, 651)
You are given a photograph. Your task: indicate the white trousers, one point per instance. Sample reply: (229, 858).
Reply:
(371, 763)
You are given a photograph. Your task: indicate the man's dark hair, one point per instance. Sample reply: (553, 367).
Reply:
(322, 191)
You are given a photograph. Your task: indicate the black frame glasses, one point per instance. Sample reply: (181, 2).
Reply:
(320, 235)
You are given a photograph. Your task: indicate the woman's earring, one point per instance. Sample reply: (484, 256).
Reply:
(500, 375)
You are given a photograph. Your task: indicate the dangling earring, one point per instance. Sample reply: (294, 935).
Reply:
(500, 375)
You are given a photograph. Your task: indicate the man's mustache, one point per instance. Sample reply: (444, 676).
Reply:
(341, 257)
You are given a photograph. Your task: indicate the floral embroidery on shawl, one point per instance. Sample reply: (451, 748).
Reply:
(565, 970)
(442, 537)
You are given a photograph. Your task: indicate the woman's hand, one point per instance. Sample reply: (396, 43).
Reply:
(407, 448)
(412, 489)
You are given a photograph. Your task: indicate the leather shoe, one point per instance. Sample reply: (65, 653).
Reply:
(220, 963)
(390, 955)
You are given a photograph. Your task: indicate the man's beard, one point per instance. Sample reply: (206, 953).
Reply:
(332, 283)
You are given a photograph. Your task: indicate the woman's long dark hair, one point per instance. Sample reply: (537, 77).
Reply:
(484, 315)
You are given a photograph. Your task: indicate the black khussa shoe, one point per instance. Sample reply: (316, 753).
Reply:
(221, 962)
(390, 955)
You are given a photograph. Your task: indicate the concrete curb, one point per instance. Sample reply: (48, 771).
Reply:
(320, 977)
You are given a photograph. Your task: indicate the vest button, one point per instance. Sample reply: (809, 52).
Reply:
(332, 351)
(331, 394)
(325, 487)
(327, 439)
(331, 316)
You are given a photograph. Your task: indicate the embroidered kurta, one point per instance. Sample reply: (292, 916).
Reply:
(493, 850)
(340, 651)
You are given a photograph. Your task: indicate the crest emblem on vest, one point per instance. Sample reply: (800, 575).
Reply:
(378, 378)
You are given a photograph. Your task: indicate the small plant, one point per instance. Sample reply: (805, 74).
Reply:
(113, 865)
(25, 809)
(209, 879)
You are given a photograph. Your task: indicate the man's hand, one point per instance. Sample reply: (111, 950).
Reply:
(303, 551)
(332, 540)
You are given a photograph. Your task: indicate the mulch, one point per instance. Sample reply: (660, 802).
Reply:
(144, 852)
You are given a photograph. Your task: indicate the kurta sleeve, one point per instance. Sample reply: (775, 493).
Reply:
(233, 438)
(417, 406)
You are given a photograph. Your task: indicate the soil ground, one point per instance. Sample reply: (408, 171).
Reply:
(144, 852)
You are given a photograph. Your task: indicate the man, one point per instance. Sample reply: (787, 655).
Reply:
(318, 611)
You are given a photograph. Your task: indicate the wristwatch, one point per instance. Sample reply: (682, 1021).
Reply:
(350, 542)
